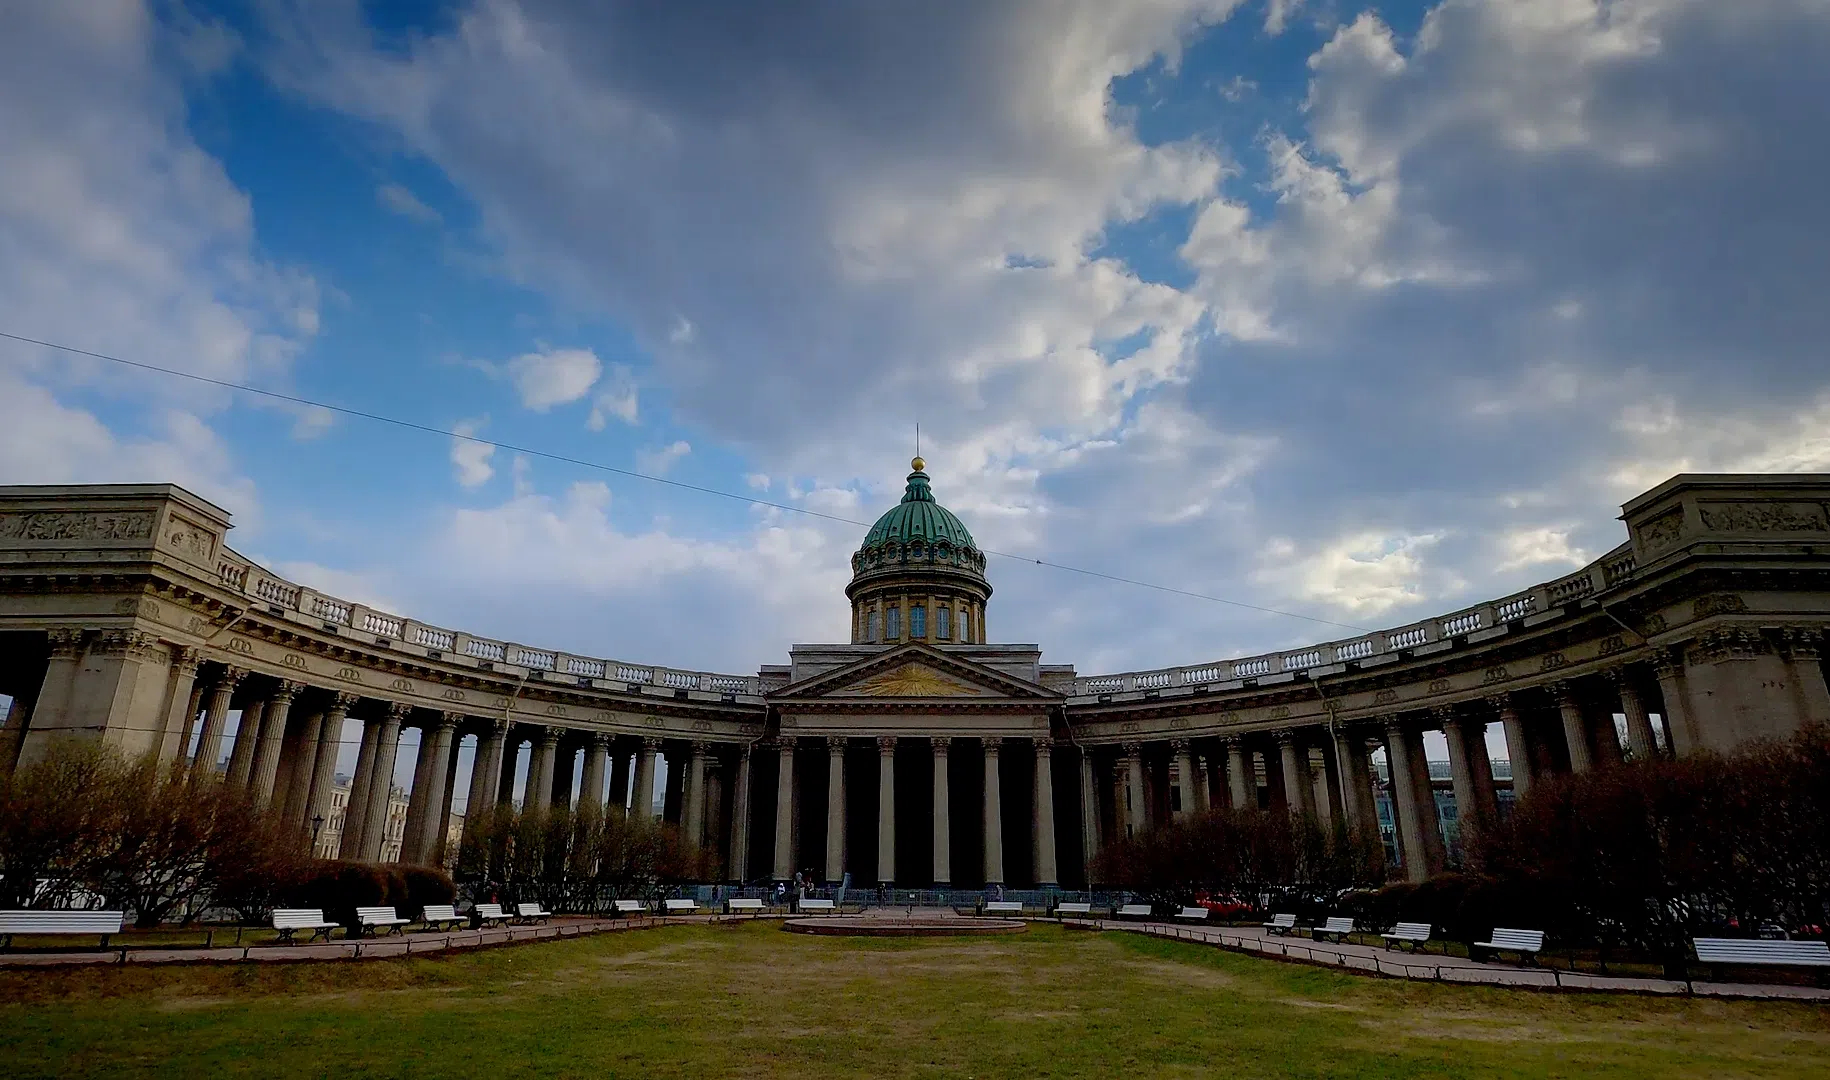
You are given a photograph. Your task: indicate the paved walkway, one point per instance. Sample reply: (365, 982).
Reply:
(1433, 967)
(408, 944)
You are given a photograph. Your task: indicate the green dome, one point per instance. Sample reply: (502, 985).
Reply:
(918, 530)
(918, 517)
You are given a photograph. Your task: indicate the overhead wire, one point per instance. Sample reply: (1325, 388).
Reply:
(682, 485)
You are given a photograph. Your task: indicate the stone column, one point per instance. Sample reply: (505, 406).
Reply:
(52, 708)
(1042, 820)
(12, 736)
(1356, 778)
(209, 749)
(432, 817)
(692, 816)
(356, 809)
(784, 812)
(1575, 732)
(1239, 776)
(542, 770)
(1470, 815)
(641, 801)
(1134, 790)
(943, 839)
(324, 765)
(1642, 745)
(1802, 649)
(441, 832)
(1204, 797)
(994, 815)
(485, 772)
(597, 760)
(304, 753)
(380, 788)
(1185, 776)
(194, 707)
(1404, 802)
(272, 741)
(1089, 815)
(739, 863)
(419, 797)
(180, 690)
(835, 808)
(247, 738)
(1299, 782)
(1674, 688)
(886, 809)
(1518, 749)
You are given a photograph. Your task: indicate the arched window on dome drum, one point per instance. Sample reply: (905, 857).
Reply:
(918, 622)
(892, 623)
(870, 626)
(943, 629)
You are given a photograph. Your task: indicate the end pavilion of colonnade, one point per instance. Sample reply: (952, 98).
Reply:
(918, 753)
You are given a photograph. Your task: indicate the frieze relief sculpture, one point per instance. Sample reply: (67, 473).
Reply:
(67, 525)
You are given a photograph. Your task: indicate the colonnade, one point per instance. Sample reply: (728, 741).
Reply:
(834, 859)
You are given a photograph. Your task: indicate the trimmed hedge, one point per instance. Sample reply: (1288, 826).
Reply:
(339, 887)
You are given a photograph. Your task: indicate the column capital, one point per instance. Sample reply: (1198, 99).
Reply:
(186, 659)
(1501, 702)
(1667, 662)
(650, 743)
(1132, 749)
(398, 710)
(449, 719)
(231, 677)
(287, 690)
(66, 642)
(835, 744)
(700, 746)
(1444, 715)
(992, 743)
(600, 740)
(784, 745)
(1178, 746)
(343, 701)
(1044, 747)
(1563, 691)
(886, 744)
(940, 745)
(1285, 737)
(1801, 642)
(1393, 725)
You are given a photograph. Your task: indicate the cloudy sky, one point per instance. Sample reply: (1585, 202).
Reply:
(1360, 312)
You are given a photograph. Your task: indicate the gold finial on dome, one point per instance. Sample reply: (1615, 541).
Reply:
(917, 464)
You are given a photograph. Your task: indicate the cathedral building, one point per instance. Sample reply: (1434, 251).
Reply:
(921, 752)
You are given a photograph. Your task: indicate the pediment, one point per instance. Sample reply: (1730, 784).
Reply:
(914, 671)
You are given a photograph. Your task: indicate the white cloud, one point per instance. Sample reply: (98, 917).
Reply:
(616, 397)
(402, 201)
(1362, 574)
(470, 460)
(1277, 15)
(657, 462)
(1537, 547)
(554, 376)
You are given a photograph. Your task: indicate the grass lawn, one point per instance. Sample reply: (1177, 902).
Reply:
(750, 1000)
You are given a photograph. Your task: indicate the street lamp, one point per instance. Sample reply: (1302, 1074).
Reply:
(317, 822)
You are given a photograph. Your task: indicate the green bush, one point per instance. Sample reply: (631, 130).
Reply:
(425, 885)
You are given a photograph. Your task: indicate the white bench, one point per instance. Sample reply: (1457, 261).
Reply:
(289, 921)
(1411, 933)
(1719, 951)
(1133, 911)
(1335, 926)
(1196, 912)
(531, 913)
(382, 919)
(812, 905)
(629, 907)
(1524, 942)
(104, 924)
(741, 905)
(441, 915)
(1282, 924)
(1069, 907)
(680, 907)
(1002, 907)
(490, 913)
